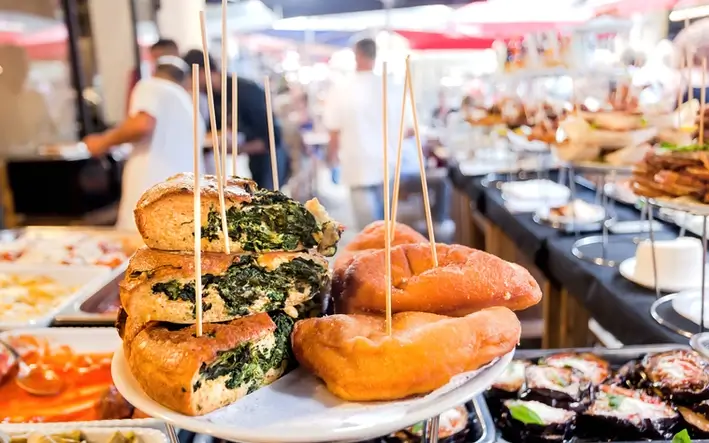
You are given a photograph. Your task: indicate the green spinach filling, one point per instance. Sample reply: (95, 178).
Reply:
(247, 364)
(270, 222)
(245, 282)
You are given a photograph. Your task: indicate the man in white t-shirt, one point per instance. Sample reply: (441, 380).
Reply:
(353, 115)
(160, 127)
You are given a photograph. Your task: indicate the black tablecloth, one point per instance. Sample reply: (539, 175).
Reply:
(620, 306)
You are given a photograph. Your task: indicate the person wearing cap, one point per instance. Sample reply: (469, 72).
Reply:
(160, 127)
(253, 123)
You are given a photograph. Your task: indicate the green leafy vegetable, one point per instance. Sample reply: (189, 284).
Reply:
(417, 429)
(687, 148)
(525, 415)
(682, 437)
(246, 281)
(614, 401)
(248, 364)
(270, 222)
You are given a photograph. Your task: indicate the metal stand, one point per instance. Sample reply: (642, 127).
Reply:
(430, 430)
(696, 209)
(608, 205)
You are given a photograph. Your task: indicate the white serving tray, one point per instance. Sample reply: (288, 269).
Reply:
(81, 340)
(689, 305)
(93, 435)
(299, 409)
(86, 279)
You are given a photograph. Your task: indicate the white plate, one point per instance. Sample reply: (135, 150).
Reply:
(81, 340)
(299, 409)
(627, 270)
(689, 305)
(93, 435)
(598, 215)
(535, 190)
(86, 279)
(522, 143)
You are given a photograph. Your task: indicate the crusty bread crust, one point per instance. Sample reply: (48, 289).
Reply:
(358, 361)
(149, 267)
(164, 215)
(166, 362)
(466, 280)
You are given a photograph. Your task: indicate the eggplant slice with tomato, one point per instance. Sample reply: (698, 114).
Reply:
(532, 421)
(696, 419)
(507, 386)
(557, 387)
(681, 376)
(630, 375)
(593, 368)
(625, 414)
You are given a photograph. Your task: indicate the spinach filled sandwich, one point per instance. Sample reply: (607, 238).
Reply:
(196, 375)
(258, 220)
(160, 285)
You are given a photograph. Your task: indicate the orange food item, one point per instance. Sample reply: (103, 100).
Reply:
(87, 377)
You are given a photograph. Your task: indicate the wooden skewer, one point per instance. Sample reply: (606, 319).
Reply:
(399, 150)
(690, 68)
(679, 94)
(422, 167)
(387, 213)
(234, 123)
(197, 143)
(702, 101)
(271, 133)
(215, 134)
(225, 57)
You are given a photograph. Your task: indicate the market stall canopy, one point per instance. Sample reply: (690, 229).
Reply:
(427, 41)
(42, 38)
(514, 18)
(626, 8)
(339, 39)
(304, 8)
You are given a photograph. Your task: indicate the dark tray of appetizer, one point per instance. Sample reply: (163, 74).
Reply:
(638, 393)
(471, 423)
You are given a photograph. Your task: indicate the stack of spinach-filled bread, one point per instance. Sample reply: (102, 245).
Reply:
(276, 272)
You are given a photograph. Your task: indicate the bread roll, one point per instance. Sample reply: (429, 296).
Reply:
(197, 375)
(159, 285)
(358, 361)
(258, 220)
(466, 280)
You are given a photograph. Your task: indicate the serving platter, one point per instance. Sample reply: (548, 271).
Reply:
(90, 310)
(93, 435)
(299, 409)
(80, 340)
(688, 304)
(85, 280)
(627, 270)
(616, 357)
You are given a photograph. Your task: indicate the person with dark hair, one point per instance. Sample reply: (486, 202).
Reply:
(160, 127)
(353, 116)
(253, 123)
(162, 47)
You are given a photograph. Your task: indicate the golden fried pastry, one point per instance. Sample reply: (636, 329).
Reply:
(358, 361)
(466, 280)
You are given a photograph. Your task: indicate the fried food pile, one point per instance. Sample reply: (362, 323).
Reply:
(448, 320)
(673, 174)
